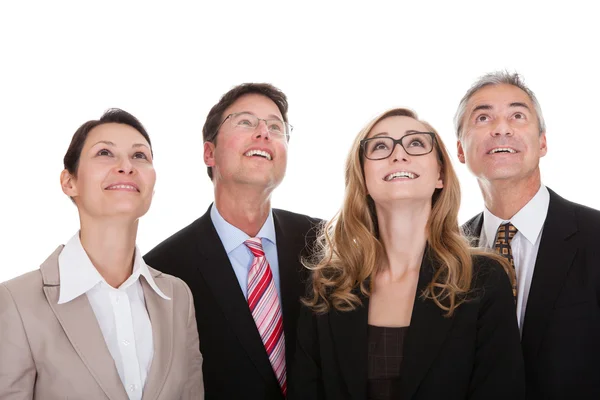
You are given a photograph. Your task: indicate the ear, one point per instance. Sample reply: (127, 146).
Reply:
(440, 183)
(460, 152)
(543, 145)
(68, 183)
(209, 154)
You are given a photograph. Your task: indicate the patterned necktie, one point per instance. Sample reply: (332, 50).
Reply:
(505, 235)
(266, 311)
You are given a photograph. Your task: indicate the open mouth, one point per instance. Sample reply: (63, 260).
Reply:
(129, 188)
(505, 150)
(259, 153)
(400, 175)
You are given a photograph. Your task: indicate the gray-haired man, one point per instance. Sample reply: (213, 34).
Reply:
(551, 242)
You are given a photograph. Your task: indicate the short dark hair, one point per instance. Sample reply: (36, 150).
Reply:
(215, 115)
(112, 115)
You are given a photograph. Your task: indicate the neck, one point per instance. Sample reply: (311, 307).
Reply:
(402, 230)
(244, 207)
(504, 198)
(110, 245)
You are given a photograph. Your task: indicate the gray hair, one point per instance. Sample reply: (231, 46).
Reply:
(497, 78)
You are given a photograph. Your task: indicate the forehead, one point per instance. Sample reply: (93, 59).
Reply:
(257, 104)
(119, 134)
(498, 96)
(397, 126)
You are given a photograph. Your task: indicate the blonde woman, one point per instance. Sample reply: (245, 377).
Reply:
(94, 321)
(399, 306)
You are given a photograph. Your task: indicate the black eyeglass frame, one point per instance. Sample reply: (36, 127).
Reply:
(288, 127)
(363, 144)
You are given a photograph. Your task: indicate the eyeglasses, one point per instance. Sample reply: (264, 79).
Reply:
(414, 144)
(249, 122)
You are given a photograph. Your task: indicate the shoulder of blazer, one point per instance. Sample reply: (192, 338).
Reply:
(486, 272)
(285, 218)
(179, 243)
(23, 288)
(586, 218)
(472, 228)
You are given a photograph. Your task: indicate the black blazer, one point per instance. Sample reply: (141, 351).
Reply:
(474, 354)
(236, 365)
(561, 328)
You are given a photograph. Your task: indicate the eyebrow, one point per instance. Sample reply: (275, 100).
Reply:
(270, 116)
(109, 143)
(388, 134)
(489, 107)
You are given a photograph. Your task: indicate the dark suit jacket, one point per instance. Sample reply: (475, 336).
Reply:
(236, 365)
(474, 354)
(561, 328)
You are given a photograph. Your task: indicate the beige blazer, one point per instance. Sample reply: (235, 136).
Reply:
(51, 351)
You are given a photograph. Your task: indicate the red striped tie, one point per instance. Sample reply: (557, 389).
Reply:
(264, 305)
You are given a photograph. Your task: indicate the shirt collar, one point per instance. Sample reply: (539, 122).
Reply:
(529, 220)
(78, 275)
(232, 237)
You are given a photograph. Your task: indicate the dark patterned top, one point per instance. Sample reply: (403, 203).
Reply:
(385, 357)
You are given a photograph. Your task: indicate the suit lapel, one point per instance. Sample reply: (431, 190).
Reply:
(425, 336)
(349, 331)
(160, 312)
(554, 259)
(292, 288)
(79, 323)
(472, 229)
(220, 278)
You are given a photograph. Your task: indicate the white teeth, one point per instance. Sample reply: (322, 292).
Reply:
(502, 150)
(401, 174)
(261, 153)
(113, 187)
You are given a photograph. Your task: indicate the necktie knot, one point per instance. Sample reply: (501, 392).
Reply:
(506, 233)
(255, 246)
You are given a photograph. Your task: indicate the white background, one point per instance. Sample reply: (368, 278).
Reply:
(62, 64)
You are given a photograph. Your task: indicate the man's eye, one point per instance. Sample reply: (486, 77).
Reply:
(519, 116)
(482, 118)
(244, 122)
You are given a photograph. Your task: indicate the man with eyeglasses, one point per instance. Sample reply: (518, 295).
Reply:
(241, 259)
(552, 243)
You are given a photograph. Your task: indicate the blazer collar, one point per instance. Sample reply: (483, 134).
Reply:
(215, 267)
(425, 336)
(472, 229)
(161, 317)
(81, 327)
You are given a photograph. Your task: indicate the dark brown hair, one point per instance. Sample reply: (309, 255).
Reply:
(215, 115)
(112, 115)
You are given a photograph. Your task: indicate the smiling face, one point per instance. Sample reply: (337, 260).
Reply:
(401, 176)
(501, 138)
(115, 175)
(248, 156)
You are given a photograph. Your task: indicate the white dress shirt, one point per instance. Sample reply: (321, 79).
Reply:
(529, 222)
(121, 313)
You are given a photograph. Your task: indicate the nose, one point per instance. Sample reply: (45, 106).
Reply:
(502, 128)
(262, 130)
(398, 153)
(125, 166)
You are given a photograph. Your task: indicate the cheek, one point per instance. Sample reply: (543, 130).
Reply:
(370, 172)
(149, 177)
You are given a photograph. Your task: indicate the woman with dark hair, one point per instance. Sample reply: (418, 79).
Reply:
(399, 306)
(95, 322)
